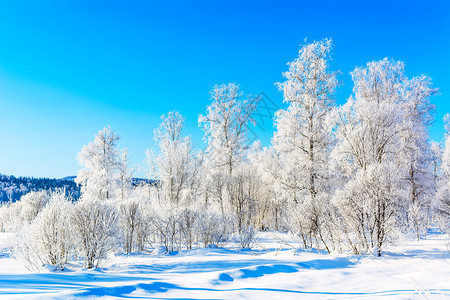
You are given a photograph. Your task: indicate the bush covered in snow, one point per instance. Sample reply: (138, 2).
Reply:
(95, 224)
(48, 239)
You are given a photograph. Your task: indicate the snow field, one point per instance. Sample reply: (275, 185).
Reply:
(272, 270)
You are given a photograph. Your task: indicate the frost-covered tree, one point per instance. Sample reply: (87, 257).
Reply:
(436, 160)
(443, 194)
(174, 161)
(100, 160)
(242, 191)
(372, 127)
(415, 155)
(302, 140)
(276, 197)
(175, 166)
(106, 176)
(225, 126)
(124, 176)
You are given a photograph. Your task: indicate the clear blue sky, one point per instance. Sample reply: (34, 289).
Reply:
(69, 68)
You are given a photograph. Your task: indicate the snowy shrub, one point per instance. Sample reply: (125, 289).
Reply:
(187, 221)
(213, 227)
(144, 230)
(369, 206)
(16, 214)
(54, 230)
(168, 230)
(96, 228)
(135, 221)
(32, 203)
(296, 225)
(247, 235)
(418, 217)
(129, 221)
(48, 240)
(24, 248)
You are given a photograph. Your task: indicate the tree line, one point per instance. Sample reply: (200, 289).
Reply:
(349, 178)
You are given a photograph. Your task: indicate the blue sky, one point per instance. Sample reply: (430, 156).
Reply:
(69, 68)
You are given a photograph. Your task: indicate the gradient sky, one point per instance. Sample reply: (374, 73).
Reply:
(69, 68)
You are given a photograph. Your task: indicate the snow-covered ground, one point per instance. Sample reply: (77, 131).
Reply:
(273, 270)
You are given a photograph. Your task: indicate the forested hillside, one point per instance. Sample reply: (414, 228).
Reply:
(12, 188)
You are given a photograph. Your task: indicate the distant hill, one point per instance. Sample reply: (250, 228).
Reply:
(134, 181)
(12, 188)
